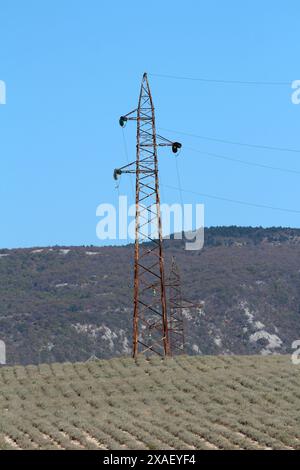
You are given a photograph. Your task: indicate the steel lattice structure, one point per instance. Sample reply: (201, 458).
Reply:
(150, 319)
(176, 320)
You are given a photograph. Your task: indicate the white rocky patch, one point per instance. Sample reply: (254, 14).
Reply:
(249, 315)
(39, 250)
(109, 336)
(265, 352)
(88, 329)
(195, 348)
(259, 325)
(102, 332)
(63, 284)
(186, 312)
(4, 255)
(273, 340)
(218, 341)
(192, 313)
(126, 347)
(64, 251)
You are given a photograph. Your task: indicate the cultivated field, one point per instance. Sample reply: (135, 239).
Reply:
(229, 402)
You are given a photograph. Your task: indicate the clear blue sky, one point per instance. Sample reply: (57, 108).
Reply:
(72, 67)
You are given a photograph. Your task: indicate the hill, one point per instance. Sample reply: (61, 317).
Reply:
(62, 304)
(249, 402)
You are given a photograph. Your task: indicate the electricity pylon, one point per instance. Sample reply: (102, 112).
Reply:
(150, 320)
(176, 321)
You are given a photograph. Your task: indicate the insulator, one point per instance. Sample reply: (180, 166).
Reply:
(176, 146)
(117, 172)
(122, 121)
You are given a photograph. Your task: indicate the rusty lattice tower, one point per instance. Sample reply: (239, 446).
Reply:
(176, 320)
(150, 319)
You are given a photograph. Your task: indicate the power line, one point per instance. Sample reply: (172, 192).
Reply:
(225, 82)
(245, 162)
(231, 142)
(235, 201)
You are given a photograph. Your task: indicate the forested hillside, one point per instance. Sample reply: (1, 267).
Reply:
(68, 303)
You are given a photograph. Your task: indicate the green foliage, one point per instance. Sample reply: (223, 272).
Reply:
(233, 402)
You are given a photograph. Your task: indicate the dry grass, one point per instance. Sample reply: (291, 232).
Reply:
(184, 403)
